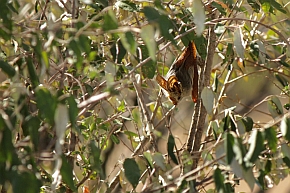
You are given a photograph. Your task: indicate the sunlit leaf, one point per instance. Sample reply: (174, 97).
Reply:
(208, 98)
(262, 50)
(248, 176)
(61, 120)
(149, 159)
(239, 43)
(275, 107)
(127, 6)
(219, 29)
(159, 160)
(285, 128)
(239, 150)
(147, 35)
(256, 146)
(248, 122)
(266, 6)
(199, 16)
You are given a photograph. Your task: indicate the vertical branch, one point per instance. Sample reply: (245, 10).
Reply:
(205, 78)
(195, 116)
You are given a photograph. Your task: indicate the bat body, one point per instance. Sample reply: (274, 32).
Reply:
(182, 77)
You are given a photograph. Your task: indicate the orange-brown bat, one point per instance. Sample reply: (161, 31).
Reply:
(182, 77)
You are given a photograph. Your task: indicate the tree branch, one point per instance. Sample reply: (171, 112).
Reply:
(204, 81)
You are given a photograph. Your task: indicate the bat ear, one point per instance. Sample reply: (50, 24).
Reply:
(162, 82)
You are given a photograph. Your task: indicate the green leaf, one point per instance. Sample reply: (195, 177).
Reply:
(85, 43)
(122, 107)
(284, 63)
(31, 125)
(254, 5)
(67, 174)
(256, 141)
(170, 149)
(151, 14)
(74, 46)
(110, 21)
(248, 123)
(285, 128)
(149, 159)
(275, 107)
(278, 6)
(32, 73)
(44, 58)
(285, 149)
(149, 68)
(25, 182)
(229, 144)
(165, 24)
(255, 52)
(136, 115)
(219, 7)
(118, 51)
(219, 181)
(95, 159)
(115, 139)
(271, 137)
(127, 6)
(130, 134)
(7, 69)
(46, 104)
(159, 160)
(266, 7)
(286, 160)
(201, 46)
(72, 110)
(129, 42)
(147, 34)
(268, 167)
(132, 171)
(283, 81)
(239, 150)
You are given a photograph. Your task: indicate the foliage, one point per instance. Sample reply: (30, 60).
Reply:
(77, 83)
